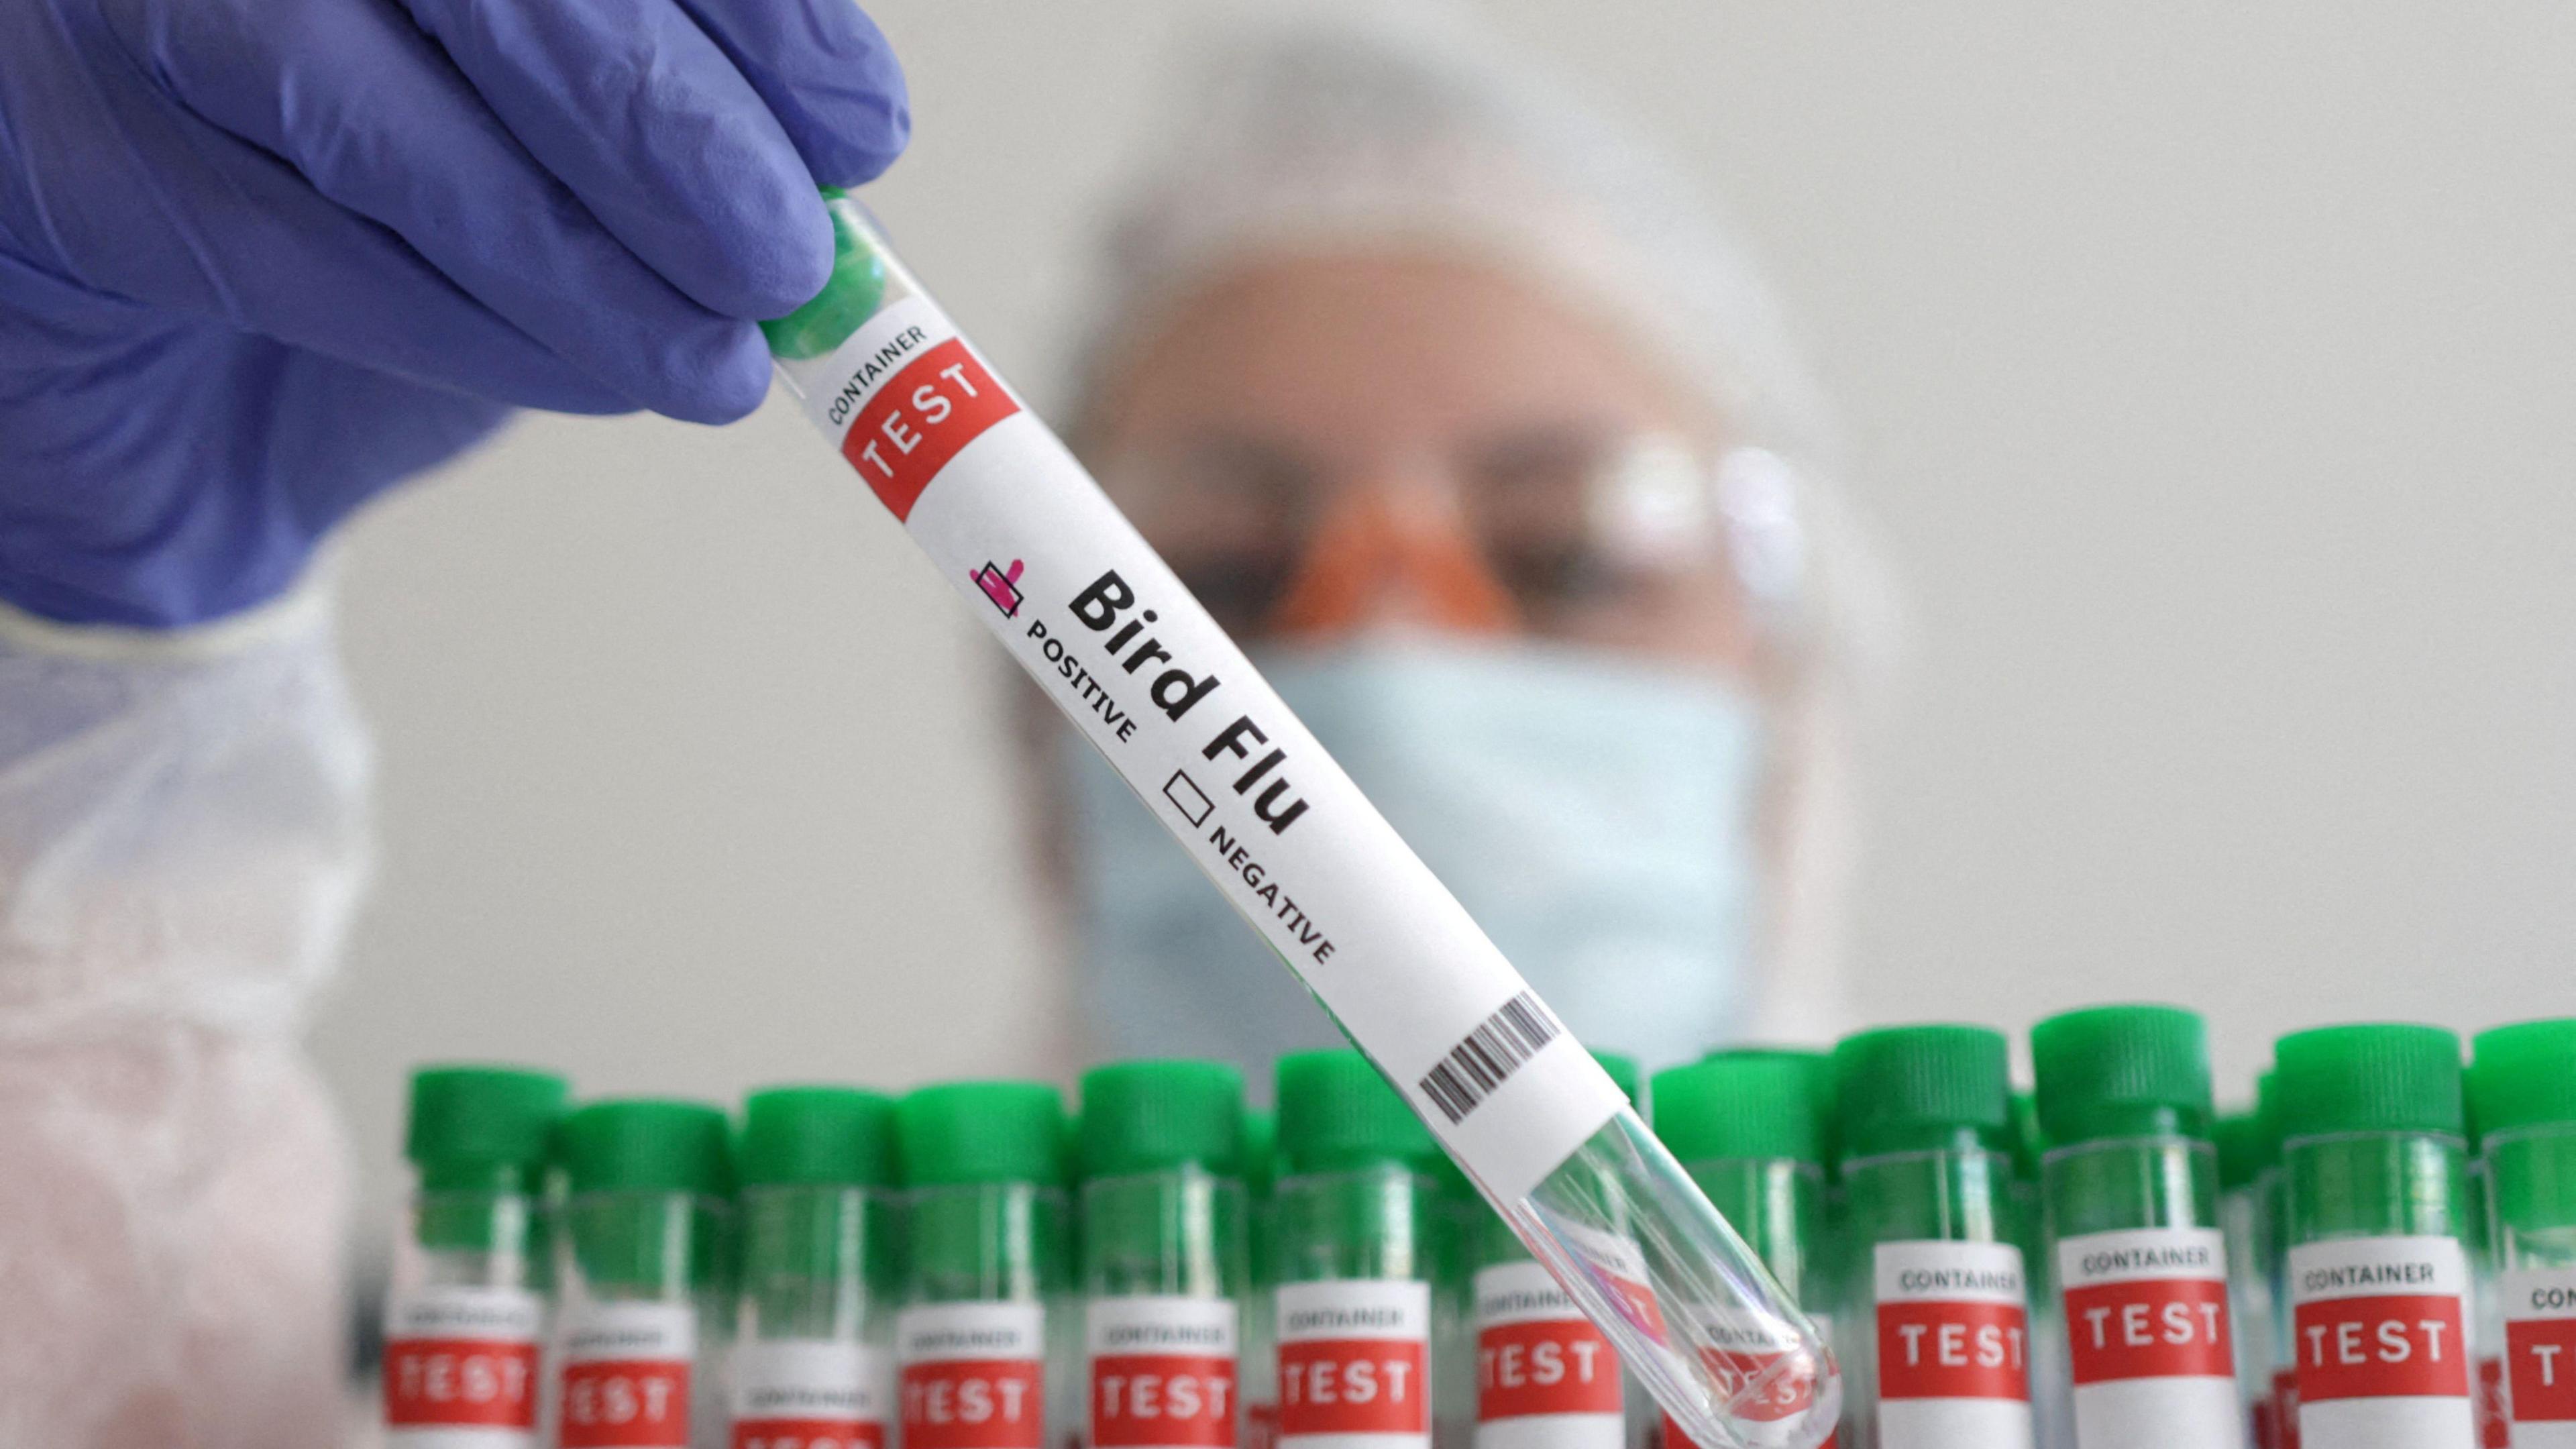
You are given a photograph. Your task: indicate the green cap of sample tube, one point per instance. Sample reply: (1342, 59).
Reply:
(1153, 1116)
(2121, 1071)
(1754, 1105)
(1260, 1143)
(1918, 1088)
(855, 290)
(2239, 1137)
(2524, 1076)
(2522, 1091)
(2378, 1077)
(817, 1136)
(1337, 1114)
(2267, 1119)
(974, 1132)
(648, 1144)
(1818, 1068)
(482, 1127)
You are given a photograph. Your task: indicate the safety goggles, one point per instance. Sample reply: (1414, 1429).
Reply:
(1561, 533)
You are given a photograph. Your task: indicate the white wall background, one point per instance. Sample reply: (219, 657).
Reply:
(2210, 374)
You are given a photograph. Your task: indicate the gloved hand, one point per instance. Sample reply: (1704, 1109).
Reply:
(260, 259)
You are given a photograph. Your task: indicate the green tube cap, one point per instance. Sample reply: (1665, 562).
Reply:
(817, 1136)
(1756, 1105)
(2240, 1149)
(2524, 1076)
(2267, 1118)
(853, 294)
(1337, 1114)
(477, 1126)
(2029, 1140)
(2121, 1071)
(1915, 1088)
(648, 1144)
(973, 1132)
(1260, 1138)
(2370, 1078)
(1818, 1069)
(1153, 1116)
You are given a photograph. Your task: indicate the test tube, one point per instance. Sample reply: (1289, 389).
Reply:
(2272, 1245)
(1357, 1240)
(1539, 1374)
(1162, 1234)
(648, 1238)
(2379, 1280)
(988, 1237)
(1746, 1129)
(1050, 567)
(2130, 1187)
(2523, 1078)
(466, 1319)
(1941, 1284)
(812, 1356)
(1258, 1365)
(2239, 1138)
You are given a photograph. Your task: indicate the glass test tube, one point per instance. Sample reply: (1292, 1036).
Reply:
(466, 1319)
(1162, 1248)
(813, 1349)
(2130, 1188)
(2378, 1277)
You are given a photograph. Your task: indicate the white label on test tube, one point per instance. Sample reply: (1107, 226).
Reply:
(1355, 1364)
(974, 1375)
(1085, 606)
(626, 1376)
(1953, 1346)
(1162, 1372)
(2148, 1339)
(461, 1368)
(808, 1393)
(1545, 1377)
(2380, 1329)
(2540, 1356)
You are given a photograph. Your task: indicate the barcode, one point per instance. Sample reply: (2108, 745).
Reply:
(1489, 1055)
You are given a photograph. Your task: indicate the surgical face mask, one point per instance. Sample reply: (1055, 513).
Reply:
(1594, 814)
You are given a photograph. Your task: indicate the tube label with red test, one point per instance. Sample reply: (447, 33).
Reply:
(2379, 1327)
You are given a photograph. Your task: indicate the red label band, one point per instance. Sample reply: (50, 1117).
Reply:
(1556, 1366)
(2267, 1423)
(2541, 1363)
(2395, 1346)
(2157, 1328)
(2495, 1425)
(1261, 1426)
(2285, 1408)
(1952, 1350)
(974, 1403)
(807, 1434)
(1639, 1299)
(920, 418)
(1353, 1386)
(623, 1402)
(1158, 1398)
(463, 1382)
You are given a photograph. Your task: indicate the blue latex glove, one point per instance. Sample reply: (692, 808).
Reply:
(261, 259)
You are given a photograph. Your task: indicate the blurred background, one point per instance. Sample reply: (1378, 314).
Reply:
(2207, 378)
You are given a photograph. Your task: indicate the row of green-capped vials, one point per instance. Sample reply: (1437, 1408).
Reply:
(2012, 1252)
